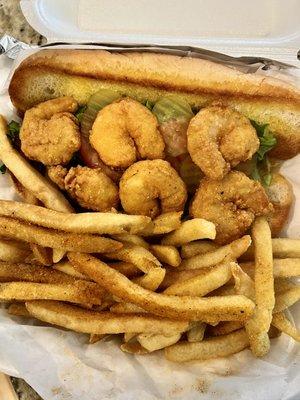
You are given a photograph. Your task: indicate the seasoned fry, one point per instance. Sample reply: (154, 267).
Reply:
(282, 248)
(224, 328)
(30, 178)
(137, 255)
(198, 247)
(12, 228)
(258, 326)
(126, 308)
(152, 279)
(67, 268)
(18, 309)
(32, 273)
(132, 239)
(282, 285)
(87, 321)
(286, 299)
(281, 322)
(152, 342)
(243, 284)
(126, 268)
(129, 336)
(166, 254)
(282, 267)
(94, 338)
(210, 348)
(196, 333)
(164, 223)
(77, 292)
(232, 250)
(58, 255)
(94, 222)
(13, 251)
(176, 276)
(202, 284)
(191, 308)
(133, 348)
(193, 229)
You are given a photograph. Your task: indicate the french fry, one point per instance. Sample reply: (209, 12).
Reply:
(232, 250)
(13, 251)
(67, 268)
(243, 284)
(126, 268)
(282, 267)
(154, 342)
(196, 333)
(281, 322)
(30, 178)
(166, 254)
(282, 285)
(215, 347)
(173, 277)
(227, 290)
(258, 326)
(129, 336)
(152, 279)
(189, 250)
(77, 292)
(162, 224)
(87, 321)
(133, 348)
(95, 222)
(286, 298)
(126, 308)
(282, 248)
(94, 338)
(132, 239)
(224, 328)
(186, 308)
(18, 309)
(12, 272)
(137, 255)
(193, 229)
(58, 255)
(14, 229)
(200, 285)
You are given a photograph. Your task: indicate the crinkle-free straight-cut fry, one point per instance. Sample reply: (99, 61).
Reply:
(189, 308)
(87, 321)
(96, 222)
(166, 254)
(153, 342)
(232, 250)
(224, 328)
(12, 228)
(68, 269)
(286, 299)
(193, 229)
(196, 332)
(29, 177)
(198, 247)
(281, 322)
(13, 251)
(152, 279)
(78, 292)
(18, 309)
(282, 248)
(164, 223)
(282, 267)
(221, 346)
(202, 284)
(131, 239)
(258, 326)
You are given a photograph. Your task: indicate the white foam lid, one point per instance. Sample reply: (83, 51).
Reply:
(269, 28)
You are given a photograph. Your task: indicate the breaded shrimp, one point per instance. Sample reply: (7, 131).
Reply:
(50, 133)
(151, 188)
(231, 204)
(219, 138)
(124, 132)
(90, 187)
(280, 194)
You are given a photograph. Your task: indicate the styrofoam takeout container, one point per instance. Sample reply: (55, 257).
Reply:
(59, 364)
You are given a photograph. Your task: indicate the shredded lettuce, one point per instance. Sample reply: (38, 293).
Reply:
(79, 113)
(172, 107)
(262, 167)
(13, 132)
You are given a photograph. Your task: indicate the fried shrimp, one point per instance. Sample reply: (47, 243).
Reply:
(124, 132)
(231, 204)
(90, 187)
(280, 193)
(151, 188)
(50, 133)
(219, 138)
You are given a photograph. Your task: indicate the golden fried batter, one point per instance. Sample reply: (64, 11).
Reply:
(90, 187)
(219, 138)
(280, 193)
(151, 188)
(231, 204)
(125, 132)
(49, 132)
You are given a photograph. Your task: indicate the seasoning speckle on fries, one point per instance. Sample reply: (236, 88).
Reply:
(151, 213)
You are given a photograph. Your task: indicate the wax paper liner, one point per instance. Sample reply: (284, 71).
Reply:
(61, 365)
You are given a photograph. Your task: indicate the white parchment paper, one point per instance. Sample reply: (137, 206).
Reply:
(60, 365)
